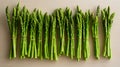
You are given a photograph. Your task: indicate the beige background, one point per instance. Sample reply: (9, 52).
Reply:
(49, 6)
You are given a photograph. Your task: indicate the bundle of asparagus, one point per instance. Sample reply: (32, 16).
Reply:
(24, 21)
(61, 27)
(13, 28)
(107, 20)
(69, 22)
(46, 36)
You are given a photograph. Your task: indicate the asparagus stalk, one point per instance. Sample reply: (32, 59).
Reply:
(53, 38)
(12, 52)
(107, 20)
(39, 34)
(46, 24)
(67, 27)
(32, 50)
(24, 21)
(95, 34)
(86, 49)
(58, 26)
(70, 33)
(14, 33)
(13, 29)
(95, 37)
(68, 14)
(72, 43)
(79, 33)
(61, 26)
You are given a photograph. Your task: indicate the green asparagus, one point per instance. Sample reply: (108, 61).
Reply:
(32, 50)
(67, 29)
(95, 33)
(24, 21)
(46, 26)
(78, 18)
(53, 38)
(72, 43)
(39, 34)
(85, 32)
(61, 26)
(13, 27)
(46, 36)
(107, 20)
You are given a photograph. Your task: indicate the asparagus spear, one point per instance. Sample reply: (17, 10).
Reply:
(107, 20)
(61, 26)
(14, 33)
(95, 34)
(32, 50)
(53, 38)
(58, 26)
(86, 49)
(68, 14)
(46, 25)
(24, 21)
(12, 51)
(79, 19)
(67, 27)
(72, 43)
(70, 33)
(13, 29)
(39, 34)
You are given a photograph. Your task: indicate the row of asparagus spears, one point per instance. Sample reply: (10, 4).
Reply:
(47, 36)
